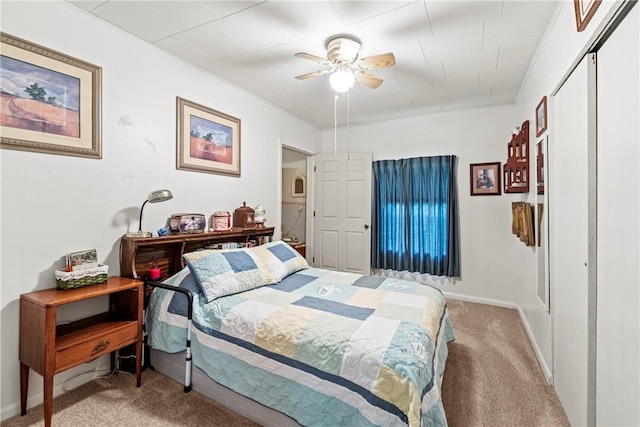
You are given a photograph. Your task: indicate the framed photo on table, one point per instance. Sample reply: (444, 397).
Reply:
(484, 179)
(208, 140)
(541, 116)
(50, 102)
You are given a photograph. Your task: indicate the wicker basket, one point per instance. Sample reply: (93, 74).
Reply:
(80, 278)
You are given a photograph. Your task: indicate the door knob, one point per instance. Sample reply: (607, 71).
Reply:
(366, 226)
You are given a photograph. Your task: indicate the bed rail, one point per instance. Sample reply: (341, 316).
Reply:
(187, 367)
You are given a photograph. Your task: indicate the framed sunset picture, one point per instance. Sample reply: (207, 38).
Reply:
(207, 140)
(49, 101)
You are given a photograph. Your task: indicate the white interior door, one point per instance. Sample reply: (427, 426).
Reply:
(568, 176)
(618, 330)
(342, 212)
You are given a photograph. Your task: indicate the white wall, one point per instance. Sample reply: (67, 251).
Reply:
(54, 204)
(488, 266)
(560, 50)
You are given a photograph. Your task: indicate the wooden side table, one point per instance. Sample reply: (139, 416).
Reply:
(300, 247)
(49, 349)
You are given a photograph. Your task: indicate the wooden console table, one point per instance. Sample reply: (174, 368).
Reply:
(165, 252)
(49, 349)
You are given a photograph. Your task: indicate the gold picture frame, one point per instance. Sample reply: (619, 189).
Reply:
(584, 9)
(50, 102)
(207, 140)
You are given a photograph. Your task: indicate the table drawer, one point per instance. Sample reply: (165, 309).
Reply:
(96, 345)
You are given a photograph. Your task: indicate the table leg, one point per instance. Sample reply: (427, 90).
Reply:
(48, 400)
(139, 363)
(24, 387)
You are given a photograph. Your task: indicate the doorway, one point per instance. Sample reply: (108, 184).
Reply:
(295, 196)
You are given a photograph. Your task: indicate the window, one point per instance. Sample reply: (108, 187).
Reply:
(415, 211)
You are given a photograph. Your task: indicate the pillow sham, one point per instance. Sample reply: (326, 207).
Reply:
(221, 272)
(281, 259)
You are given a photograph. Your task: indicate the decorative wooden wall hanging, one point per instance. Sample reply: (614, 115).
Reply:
(516, 168)
(540, 168)
(522, 222)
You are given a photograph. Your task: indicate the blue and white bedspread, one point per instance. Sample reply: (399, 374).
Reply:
(325, 348)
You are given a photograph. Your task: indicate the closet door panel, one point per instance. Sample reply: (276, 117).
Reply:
(569, 243)
(618, 354)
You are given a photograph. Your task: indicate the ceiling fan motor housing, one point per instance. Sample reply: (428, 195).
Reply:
(342, 49)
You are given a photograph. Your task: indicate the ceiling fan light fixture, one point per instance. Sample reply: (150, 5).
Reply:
(342, 80)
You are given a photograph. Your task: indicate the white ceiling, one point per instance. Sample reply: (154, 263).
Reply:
(449, 54)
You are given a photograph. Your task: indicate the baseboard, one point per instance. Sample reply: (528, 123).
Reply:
(498, 303)
(543, 365)
(478, 300)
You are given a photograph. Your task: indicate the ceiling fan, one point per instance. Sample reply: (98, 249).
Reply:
(342, 57)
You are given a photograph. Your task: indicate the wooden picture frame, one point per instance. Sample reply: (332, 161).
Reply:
(484, 179)
(50, 102)
(207, 140)
(299, 186)
(584, 9)
(541, 117)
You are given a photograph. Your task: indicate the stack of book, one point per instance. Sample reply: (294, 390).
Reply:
(227, 245)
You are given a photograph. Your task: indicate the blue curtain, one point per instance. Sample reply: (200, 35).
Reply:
(415, 216)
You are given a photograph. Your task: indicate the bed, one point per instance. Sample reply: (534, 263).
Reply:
(285, 344)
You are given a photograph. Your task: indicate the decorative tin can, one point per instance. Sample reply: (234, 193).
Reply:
(221, 221)
(244, 217)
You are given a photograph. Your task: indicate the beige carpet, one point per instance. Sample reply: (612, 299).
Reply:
(492, 376)
(117, 401)
(492, 379)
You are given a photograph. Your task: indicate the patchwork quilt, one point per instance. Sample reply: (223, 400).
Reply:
(325, 348)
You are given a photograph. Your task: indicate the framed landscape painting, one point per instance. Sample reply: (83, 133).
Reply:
(207, 140)
(49, 101)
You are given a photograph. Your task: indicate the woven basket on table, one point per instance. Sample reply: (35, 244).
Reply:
(80, 278)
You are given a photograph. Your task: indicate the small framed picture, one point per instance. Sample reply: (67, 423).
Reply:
(208, 140)
(541, 116)
(585, 9)
(485, 179)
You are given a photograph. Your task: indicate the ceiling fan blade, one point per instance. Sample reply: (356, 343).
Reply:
(377, 61)
(313, 58)
(309, 75)
(368, 80)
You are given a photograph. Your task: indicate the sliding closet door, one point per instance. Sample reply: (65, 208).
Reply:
(568, 240)
(618, 356)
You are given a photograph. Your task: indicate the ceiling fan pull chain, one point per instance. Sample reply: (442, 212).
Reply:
(335, 125)
(348, 118)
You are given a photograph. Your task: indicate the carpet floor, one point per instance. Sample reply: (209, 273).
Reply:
(492, 378)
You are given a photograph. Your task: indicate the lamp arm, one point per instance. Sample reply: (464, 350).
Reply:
(140, 222)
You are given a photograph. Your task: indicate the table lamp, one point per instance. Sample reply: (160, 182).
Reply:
(154, 197)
